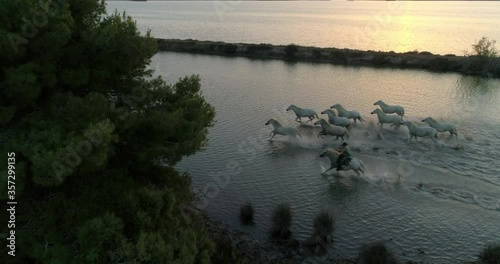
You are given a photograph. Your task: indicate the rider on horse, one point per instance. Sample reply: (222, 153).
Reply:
(344, 155)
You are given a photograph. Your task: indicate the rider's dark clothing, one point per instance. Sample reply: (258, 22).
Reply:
(344, 157)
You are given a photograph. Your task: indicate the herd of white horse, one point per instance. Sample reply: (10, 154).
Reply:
(338, 126)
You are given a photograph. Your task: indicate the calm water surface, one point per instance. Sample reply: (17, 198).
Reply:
(438, 27)
(454, 213)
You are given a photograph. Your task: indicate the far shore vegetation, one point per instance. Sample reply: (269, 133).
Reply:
(482, 61)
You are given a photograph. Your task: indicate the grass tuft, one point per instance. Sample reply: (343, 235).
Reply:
(281, 221)
(490, 254)
(246, 213)
(376, 253)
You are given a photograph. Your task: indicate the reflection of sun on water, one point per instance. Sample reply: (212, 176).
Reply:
(405, 38)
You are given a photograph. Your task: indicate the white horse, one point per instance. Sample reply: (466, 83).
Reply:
(331, 130)
(336, 120)
(282, 130)
(416, 131)
(302, 112)
(391, 109)
(383, 118)
(355, 164)
(441, 127)
(354, 115)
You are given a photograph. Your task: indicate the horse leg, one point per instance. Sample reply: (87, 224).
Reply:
(433, 137)
(331, 167)
(274, 134)
(355, 122)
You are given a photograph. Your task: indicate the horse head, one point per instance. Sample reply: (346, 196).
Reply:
(290, 107)
(335, 106)
(318, 122)
(375, 111)
(269, 121)
(379, 102)
(329, 112)
(428, 120)
(405, 122)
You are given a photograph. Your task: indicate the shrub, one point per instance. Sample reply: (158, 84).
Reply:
(484, 48)
(316, 53)
(246, 213)
(490, 254)
(323, 225)
(425, 53)
(259, 47)
(229, 48)
(281, 222)
(379, 59)
(225, 251)
(485, 59)
(291, 50)
(441, 64)
(376, 253)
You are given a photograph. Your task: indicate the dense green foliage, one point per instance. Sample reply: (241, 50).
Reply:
(95, 138)
(490, 254)
(225, 251)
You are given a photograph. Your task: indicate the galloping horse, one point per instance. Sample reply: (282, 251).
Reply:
(441, 127)
(335, 131)
(383, 118)
(302, 112)
(416, 131)
(354, 115)
(355, 164)
(337, 120)
(282, 130)
(391, 109)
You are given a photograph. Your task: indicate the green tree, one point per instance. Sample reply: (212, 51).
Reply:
(95, 138)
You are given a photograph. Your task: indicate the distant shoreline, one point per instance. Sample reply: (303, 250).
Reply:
(424, 60)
